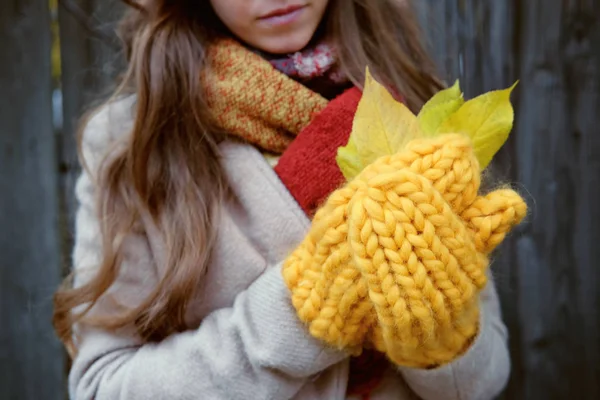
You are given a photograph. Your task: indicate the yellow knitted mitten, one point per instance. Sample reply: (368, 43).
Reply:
(395, 259)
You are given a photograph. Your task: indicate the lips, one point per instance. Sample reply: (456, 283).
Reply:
(282, 12)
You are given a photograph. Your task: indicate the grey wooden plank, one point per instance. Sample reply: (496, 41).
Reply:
(31, 358)
(439, 20)
(74, 81)
(433, 22)
(557, 150)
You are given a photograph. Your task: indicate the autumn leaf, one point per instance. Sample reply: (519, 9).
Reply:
(487, 120)
(437, 110)
(382, 126)
(349, 161)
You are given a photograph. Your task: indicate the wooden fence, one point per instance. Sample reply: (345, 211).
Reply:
(546, 273)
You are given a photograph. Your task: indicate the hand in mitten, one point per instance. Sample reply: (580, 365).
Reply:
(396, 258)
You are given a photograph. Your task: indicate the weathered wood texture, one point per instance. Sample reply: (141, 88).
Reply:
(547, 272)
(31, 358)
(557, 154)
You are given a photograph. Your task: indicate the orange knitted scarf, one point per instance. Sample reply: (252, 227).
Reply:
(251, 100)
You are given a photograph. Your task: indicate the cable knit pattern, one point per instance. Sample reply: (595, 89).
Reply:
(252, 100)
(396, 258)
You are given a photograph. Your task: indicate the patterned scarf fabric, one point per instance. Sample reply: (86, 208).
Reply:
(314, 62)
(250, 99)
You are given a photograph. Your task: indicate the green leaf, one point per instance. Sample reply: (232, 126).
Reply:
(487, 120)
(439, 109)
(349, 161)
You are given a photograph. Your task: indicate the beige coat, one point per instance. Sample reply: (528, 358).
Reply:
(244, 341)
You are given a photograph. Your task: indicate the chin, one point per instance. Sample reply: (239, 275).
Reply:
(286, 44)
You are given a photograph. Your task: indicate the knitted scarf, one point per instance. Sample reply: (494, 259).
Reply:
(311, 63)
(255, 100)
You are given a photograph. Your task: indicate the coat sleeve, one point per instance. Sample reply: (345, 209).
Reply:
(256, 348)
(481, 373)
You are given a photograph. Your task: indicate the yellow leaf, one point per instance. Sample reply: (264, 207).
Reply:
(439, 108)
(487, 119)
(382, 126)
(349, 161)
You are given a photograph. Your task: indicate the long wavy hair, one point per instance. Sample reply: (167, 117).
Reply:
(167, 173)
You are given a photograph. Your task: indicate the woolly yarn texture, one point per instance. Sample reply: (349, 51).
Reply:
(252, 100)
(396, 258)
